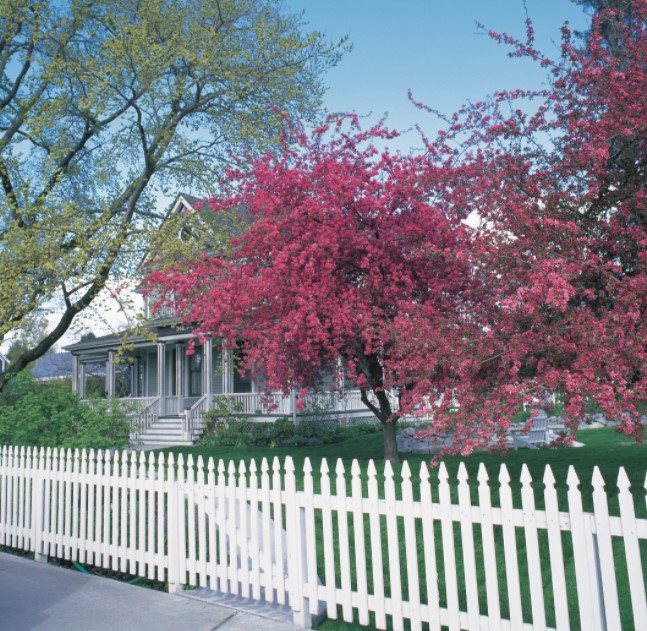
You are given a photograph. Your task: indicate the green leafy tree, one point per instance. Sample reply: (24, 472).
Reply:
(107, 104)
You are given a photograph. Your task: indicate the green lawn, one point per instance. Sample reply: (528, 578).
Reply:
(603, 447)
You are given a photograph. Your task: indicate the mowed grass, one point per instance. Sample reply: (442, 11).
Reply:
(603, 448)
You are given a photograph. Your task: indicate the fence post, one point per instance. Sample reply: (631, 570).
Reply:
(173, 515)
(295, 535)
(37, 507)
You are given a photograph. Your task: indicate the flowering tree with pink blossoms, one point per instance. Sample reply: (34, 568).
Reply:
(342, 241)
(364, 255)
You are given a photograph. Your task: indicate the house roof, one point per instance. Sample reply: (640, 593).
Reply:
(114, 341)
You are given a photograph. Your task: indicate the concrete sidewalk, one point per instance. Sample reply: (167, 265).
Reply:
(41, 597)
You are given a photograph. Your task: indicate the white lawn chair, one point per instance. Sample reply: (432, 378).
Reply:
(536, 437)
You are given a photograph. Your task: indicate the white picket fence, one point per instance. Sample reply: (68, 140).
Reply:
(369, 551)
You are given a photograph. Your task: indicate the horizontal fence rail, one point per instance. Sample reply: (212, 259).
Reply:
(361, 545)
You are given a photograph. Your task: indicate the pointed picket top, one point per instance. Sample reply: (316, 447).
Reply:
(77, 454)
(339, 467)
(160, 459)
(504, 476)
(84, 455)
(355, 469)
(200, 464)
(242, 469)
(289, 464)
(571, 479)
(405, 472)
(462, 475)
(597, 481)
(526, 478)
(371, 470)
(189, 461)
(624, 483)
(549, 478)
(388, 470)
(115, 457)
(443, 474)
(151, 458)
(324, 469)
(424, 471)
(276, 464)
(221, 466)
(231, 469)
(265, 467)
(252, 466)
(91, 454)
(68, 453)
(41, 453)
(180, 462)
(142, 458)
(482, 475)
(133, 458)
(211, 465)
(307, 466)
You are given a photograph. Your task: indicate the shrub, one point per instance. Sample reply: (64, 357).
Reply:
(51, 415)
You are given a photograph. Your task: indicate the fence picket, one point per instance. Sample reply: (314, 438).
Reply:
(243, 543)
(489, 549)
(393, 548)
(467, 546)
(632, 549)
(556, 553)
(449, 556)
(163, 559)
(128, 519)
(605, 551)
(212, 545)
(268, 542)
(429, 547)
(344, 548)
(254, 536)
(510, 548)
(411, 548)
(151, 519)
(584, 565)
(190, 522)
(329, 549)
(376, 546)
(232, 529)
(202, 510)
(532, 551)
(221, 520)
(279, 550)
(360, 544)
(311, 592)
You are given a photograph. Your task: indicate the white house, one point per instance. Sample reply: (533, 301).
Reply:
(166, 391)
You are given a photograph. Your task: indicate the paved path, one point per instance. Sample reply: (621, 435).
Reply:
(40, 597)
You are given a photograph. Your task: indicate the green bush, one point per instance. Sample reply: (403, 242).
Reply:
(229, 427)
(51, 415)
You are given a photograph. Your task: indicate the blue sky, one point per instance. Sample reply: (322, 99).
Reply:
(432, 47)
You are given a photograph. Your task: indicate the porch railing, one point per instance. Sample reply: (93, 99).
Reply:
(144, 417)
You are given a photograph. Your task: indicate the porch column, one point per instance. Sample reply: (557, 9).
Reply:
(227, 370)
(82, 381)
(207, 366)
(134, 378)
(161, 369)
(75, 373)
(110, 374)
(179, 374)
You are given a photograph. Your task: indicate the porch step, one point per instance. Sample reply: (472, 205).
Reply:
(166, 432)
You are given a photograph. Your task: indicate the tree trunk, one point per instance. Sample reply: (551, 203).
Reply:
(390, 446)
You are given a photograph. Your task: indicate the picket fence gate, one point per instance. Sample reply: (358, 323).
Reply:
(389, 553)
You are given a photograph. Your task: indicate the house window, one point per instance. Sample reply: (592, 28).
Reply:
(242, 384)
(195, 374)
